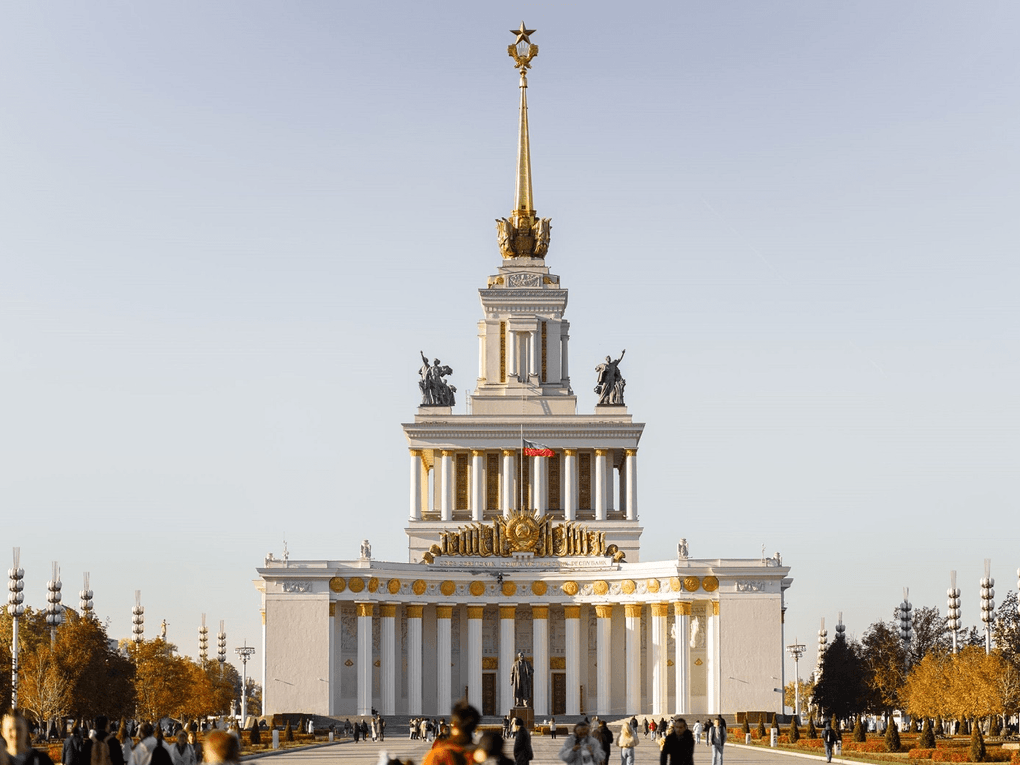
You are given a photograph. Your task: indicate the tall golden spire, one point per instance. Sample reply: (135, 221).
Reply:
(523, 235)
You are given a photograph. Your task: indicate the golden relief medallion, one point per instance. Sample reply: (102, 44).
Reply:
(691, 583)
(570, 588)
(509, 589)
(418, 588)
(373, 584)
(538, 588)
(447, 588)
(477, 589)
(336, 584)
(357, 584)
(393, 586)
(522, 533)
(674, 584)
(710, 583)
(653, 585)
(601, 587)
(627, 586)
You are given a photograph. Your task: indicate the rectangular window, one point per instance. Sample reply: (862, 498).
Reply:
(554, 483)
(526, 477)
(584, 481)
(502, 351)
(492, 481)
(461, 468)
(543, 351)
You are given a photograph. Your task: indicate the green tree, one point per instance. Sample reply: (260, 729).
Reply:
(927, 737)
(812, 731)
(794, 731)
(842, 691)
(859, 733)
(892, 737)
(931, 633)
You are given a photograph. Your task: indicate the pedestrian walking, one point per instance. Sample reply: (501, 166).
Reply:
(678, 745)
(627, 741)
(523, 753)
(581, 748)
(829, 737)
(14, 728)
(552, 727)
(718, 740)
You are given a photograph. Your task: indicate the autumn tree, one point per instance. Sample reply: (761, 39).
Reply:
(43, 688)
(806, 689)
(99, 678)
(885, 660)
(931, 633)
(968, 685)
(161, 680)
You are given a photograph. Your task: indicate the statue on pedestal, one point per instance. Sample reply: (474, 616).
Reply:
(610, 383)
(522, 677)
(434, 389)
(366, 549)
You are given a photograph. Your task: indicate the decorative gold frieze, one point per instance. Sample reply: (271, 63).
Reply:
(557, 662)
(570, 588)
(600, 587)
(447, 588)
(682, 608)
(490, 662)
(652, 585)
(627, 586)
(571, 612)
(507, 612)
(540, 612)
(539, 588)
(388, 610)
(509, 589)
(660, 609)
(475, 612)
(413, 611)
(365, 609)
(715, 608)
(393, 586)
(632, 610)
(710, 583)
(604, 611)
(523, 531)
(419, 587)
(691, 583)
(336, 584)
(675, 584)
(356, 583)
(373, 584)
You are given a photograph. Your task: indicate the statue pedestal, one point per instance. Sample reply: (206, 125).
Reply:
(525, 713)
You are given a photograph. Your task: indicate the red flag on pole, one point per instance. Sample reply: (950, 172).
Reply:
(535, 449)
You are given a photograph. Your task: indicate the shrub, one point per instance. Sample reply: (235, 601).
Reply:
(288, 732)
(794, 731)
(761, 727)
(871, 747)
(747, 726)
(977, 744)
(944, 755)
(913, 725)
(921, 753)
(812, 732)
(255, 736)
(859, 733)
(995, 726)
(892, 737)
(775, 721)
(927, 737)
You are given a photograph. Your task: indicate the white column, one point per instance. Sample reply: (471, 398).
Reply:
(413, 613)
(632, 513)
(633, 658)
(570, 484)
(564, 337)
(508, 476)
(610, 483)
(365, 612)
(660, 658)
(534, 362)
(712, 641)
(388, 658)
(572, 633)
(265, 685)
(474, 655)
(603, 705)
(682, 656)
(477, 484)
(512, 343)
(540, 484)
(600, 484)
(481, 351)
(540, 641)
(444, 659)
(446, 487)
(506, 657)
(415, 485)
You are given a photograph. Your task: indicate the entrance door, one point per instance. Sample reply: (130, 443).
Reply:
(488, 693)
(559, 695)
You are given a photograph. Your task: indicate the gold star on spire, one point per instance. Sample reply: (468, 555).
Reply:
(523, 34)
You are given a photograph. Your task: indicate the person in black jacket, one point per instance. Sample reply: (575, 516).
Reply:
(678, 748)
(605, 737)
(523, 753)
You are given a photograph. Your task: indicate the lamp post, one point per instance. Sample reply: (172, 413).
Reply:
(244, 652)
(15, 598)
(953, 607)
(54, 613)
(85, 598)
(138, 620)
(906, 626)
(796, 651)
(203, 642)
(988, 604)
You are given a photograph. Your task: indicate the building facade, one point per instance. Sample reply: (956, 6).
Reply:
(524, 535)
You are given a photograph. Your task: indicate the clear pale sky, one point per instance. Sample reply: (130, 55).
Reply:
(226, 230)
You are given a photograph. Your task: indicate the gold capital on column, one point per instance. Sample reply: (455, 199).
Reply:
(660, 609)
(682, 608)
(630, 452)
(444, 612)
(263, 617)
(388, 610)
(601, 452)
(509, 452)
(570, 452)
(715, 608)
(447, 452)
(540, 612)
(413, 611)
(475, 612)
(571, 612)
(507, 612)
(415, 452)
(477, 452)
(632, 610)
(365, 609)
(604, 611)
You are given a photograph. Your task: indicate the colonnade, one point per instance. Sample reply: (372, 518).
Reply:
(607, 654)
(601, 483)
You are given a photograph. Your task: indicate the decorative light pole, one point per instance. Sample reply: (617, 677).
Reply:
(840, 629)
(54, 612)
(221, 645)
(203, 642)
(138, 619)
(823, 643)
(796, 651)
(85, 598)
(988, 604)
(244, 652)
(906, 625)
(15, 598)
(953, 607)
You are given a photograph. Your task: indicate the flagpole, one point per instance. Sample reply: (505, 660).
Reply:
(520, 465)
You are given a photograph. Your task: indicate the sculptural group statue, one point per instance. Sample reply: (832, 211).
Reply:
(366, 549)
(682, 550)
(522, 677)
(435, 391)
(610, 383)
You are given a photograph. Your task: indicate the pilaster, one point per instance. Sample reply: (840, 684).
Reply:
(414, 656)
(388, 659)
(540, 642)
(444, 659)
(604, 615)
(572, 634)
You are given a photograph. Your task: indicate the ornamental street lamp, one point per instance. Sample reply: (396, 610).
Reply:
(796, 651)
(988, 604)
(244, 652)
(906, 626)
(138, 619)
(823, 643)
(203, 642)
(221, 645)
(54, 612)
(85, 598)
(953, 607)
(15, 598)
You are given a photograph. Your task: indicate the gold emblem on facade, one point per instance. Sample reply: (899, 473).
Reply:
(627, 586)
(509, 589)
(373, 584)
(570, 588)
(652, 585)
(698, 662)
(557, 662)
(490, 662)
(674, 584)
(477, 589)
(418, 588)
(357, 584)
(336, 584)
(348, 663)
(538, 588)
(447, 588)
(691, 583)
(601, 587)
(393, 586)
(710, 583)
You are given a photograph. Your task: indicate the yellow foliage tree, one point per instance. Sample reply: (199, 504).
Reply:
(43, 688)
(965, 686)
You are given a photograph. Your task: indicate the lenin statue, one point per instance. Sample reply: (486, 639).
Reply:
(522, 678)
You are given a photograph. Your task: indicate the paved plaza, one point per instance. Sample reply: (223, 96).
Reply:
(367, 753)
